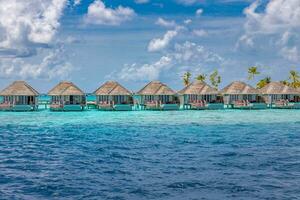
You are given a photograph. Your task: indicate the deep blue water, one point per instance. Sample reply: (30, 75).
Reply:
(150, 155)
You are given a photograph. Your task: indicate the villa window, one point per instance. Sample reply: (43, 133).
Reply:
(164, 98)
(103, 98)
(149, 98)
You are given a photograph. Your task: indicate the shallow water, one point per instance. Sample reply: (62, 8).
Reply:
(150, 155)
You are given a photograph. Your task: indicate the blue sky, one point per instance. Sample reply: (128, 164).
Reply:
(135, 41)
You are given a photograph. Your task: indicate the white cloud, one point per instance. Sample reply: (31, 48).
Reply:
(278, 16)
(245, 39)
(77, 2)
(191, 2)
(158, 44)
(286, 36)
(191, 53)
(27, 33)
(187, 2)
(99, 14)
(199, 12)
(165, 23)
(53, 65)
(188, 54)
(200, 32)
(291, 54)
(146, 71)
(187, 21)
(26, 24)
(141, 1)
(278, 23)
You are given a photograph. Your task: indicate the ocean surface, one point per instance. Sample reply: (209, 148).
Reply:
(150, 155)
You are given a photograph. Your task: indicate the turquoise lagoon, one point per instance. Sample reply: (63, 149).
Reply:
(224, 154)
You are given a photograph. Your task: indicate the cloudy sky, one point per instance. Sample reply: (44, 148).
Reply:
(135, 41)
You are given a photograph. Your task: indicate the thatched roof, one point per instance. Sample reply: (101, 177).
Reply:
(112, 88)
(65, 88)
(198, 88)
(156, 88)
(239, 87)
(19, 88)
(278, 88)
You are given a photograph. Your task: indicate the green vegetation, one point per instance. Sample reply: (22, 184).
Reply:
(201, 77)
(292, 81)
(285, 82)
(295, 79)
(215, 79)
(252, 72)
(186, 78)
(263, 82)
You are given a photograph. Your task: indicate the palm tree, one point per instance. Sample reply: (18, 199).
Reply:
(295, 79)
(186, 78)
(263, 82)
(215, 79)
(201, 77)
(252, 71)
(285, 82)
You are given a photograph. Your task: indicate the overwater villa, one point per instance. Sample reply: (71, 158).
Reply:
(19, 96)
(157, 96)
(240, 95)
(67, 97)
(278, 95)
(199, 95)
(113, 96)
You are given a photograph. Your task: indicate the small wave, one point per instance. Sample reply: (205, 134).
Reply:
(229, 154)
(185, 185)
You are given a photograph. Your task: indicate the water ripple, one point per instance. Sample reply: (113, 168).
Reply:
(150, 155)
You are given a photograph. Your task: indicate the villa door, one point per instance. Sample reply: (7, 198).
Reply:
(116, 99)
(259, 99)
(71, 99)
(29, 100)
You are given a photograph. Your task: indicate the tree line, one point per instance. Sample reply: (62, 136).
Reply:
(215, 79)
